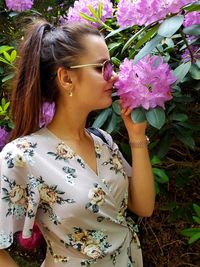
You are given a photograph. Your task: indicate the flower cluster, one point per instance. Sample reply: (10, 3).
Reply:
(73, 14)
(145, 84)
(144, 12)
(48, 110)
(3, 137)
(19, 5)
(192, 18)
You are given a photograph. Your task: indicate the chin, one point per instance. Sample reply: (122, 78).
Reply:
(107, 103)
(103, 104)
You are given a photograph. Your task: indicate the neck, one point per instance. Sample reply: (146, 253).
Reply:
(69, 124)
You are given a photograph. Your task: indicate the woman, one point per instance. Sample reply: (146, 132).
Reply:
(72, 183)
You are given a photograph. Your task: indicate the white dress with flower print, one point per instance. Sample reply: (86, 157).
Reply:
(80, 213)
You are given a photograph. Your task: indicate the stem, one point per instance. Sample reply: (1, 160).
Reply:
(187, 45)
(105, 25)
(162, 54)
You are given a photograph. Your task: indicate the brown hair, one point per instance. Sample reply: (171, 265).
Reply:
(44, 49)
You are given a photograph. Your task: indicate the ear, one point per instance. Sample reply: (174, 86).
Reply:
(63, 77)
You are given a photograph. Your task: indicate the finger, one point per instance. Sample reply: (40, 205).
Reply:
(128, 112)
(123, 111)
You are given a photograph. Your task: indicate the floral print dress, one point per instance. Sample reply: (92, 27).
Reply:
(80, 213)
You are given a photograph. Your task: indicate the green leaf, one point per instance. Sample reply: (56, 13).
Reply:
(3, 60)
(112, 123)
(196, 219)
(112, 33)
(101, 118)
(181, 71)
(194, 127)
(169, 42)
(113, 46)
(170, 26)
(194, 238)
(5, 48)
(2, 113)
(192, 30)
(13, 14)
(155, 117)
(132, 39)
(179, 117)
(188, 140)
(155, 160)
(146, 37)
(116, 61)
(164, 145)
(93, 12)
(138, 115)
(116, 107)
(5, 107)
(190, 231)
(8, 77)
(7, 56)
(191, 8)
(197, 209)
(3, 102)
(161, 176)
(148, 48)
(13, 55)
(157, 188)
(100, 8)
(198, 63)
(84, 16)
(195, 72)
(10, 125)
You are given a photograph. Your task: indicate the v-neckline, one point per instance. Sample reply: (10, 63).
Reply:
(76, 155)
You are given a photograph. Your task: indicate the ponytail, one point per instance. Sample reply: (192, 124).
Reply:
(26, 100)
(44, 49)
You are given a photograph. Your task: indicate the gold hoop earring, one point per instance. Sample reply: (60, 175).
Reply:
(70, 90)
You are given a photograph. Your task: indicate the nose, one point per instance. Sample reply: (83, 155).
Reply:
(114, 76)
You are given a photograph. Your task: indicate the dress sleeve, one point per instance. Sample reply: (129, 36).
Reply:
(115, 148)
(18, 201)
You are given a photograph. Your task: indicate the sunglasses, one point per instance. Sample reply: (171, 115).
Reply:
(106, 68)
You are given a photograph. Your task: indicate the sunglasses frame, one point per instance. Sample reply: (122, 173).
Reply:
(93, 65)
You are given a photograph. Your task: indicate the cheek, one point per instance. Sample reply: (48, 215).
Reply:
(90, 80)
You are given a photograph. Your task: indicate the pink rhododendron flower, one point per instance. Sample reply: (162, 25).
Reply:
(73, 14)
(3, 137)
(50, 8)
(48, 110)
(19, 5)
(144, 12)
(145, 84)
(137, 12)
(192, 18)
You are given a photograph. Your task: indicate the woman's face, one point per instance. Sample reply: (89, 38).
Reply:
(90, 89)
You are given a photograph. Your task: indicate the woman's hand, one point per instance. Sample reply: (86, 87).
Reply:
(134, 129)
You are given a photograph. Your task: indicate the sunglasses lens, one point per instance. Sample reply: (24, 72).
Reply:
(107, 70)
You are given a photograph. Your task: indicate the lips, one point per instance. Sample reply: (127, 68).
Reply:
(109, 90)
